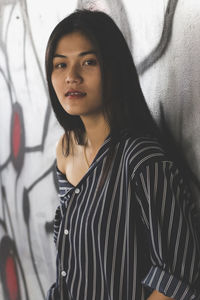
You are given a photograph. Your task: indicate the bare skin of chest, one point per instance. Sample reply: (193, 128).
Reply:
(75, 165)
(75, 168)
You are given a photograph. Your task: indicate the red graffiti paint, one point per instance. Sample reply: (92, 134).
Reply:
(11, 278)
(16, 134)
(17, 137)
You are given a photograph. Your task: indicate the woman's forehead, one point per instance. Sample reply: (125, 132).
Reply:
(76, 44)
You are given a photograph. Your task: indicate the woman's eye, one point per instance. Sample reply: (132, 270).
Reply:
(90, 62)
(60, 66)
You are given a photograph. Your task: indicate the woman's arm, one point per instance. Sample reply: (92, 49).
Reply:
(167, 211)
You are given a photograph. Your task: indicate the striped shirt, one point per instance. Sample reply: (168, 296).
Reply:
(133, 235)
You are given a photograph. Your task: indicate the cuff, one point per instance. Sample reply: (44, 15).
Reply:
(169, 285)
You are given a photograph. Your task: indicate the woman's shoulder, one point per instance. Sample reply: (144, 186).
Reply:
(66, 149)
(143, 150)
(59, 153)
(61, 156)
(143, 146)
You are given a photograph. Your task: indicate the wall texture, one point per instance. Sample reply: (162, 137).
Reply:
(164, 38)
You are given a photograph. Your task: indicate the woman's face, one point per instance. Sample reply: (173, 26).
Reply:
(76, 75)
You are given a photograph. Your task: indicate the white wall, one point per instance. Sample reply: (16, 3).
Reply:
(165, 48)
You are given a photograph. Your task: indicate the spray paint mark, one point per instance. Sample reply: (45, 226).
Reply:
(163, 44)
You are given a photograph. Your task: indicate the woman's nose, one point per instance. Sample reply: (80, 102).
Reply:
(73, 76)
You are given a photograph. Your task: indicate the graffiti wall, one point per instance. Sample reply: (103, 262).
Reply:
(163, 36)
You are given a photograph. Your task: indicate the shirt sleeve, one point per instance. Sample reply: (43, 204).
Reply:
(167, 213)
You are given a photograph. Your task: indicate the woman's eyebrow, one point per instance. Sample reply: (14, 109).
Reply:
(88, 52)
(80, 54)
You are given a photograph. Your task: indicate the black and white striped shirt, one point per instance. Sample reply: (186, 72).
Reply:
(130, 237)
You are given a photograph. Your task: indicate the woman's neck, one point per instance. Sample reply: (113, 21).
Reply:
(97, 129)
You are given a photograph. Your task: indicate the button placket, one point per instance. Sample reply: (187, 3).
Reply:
(66, 231)
(63, 273)
(77, 191)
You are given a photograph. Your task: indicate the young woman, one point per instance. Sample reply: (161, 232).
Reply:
(124, 227)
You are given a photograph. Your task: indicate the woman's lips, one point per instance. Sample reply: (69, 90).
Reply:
(75, 94)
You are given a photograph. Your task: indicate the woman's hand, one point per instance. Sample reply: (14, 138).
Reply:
(158, 296)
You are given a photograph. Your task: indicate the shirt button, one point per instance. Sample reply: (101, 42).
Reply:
(63, 273)
(77, 191)
(66, 231)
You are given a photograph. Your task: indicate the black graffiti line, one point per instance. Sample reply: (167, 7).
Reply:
(5, 163)
(9, 217)
(45, 130)
(3, 224)
(34, 149)
(12, 246)
(27, 24)
(23, 275)
(40, 147)
(163, 44)
(16, 209)
(33, 262)
(9, 20)
(2, 204)
(5, 203)
(46, 123)
(49, 226)
(9, 80)
(41, 177)
(24, 60)
(14, 239)
(2, 195)
(8, 85)
(48, 110)
(4, 49)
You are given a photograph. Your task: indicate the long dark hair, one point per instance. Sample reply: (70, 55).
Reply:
(123, 101)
